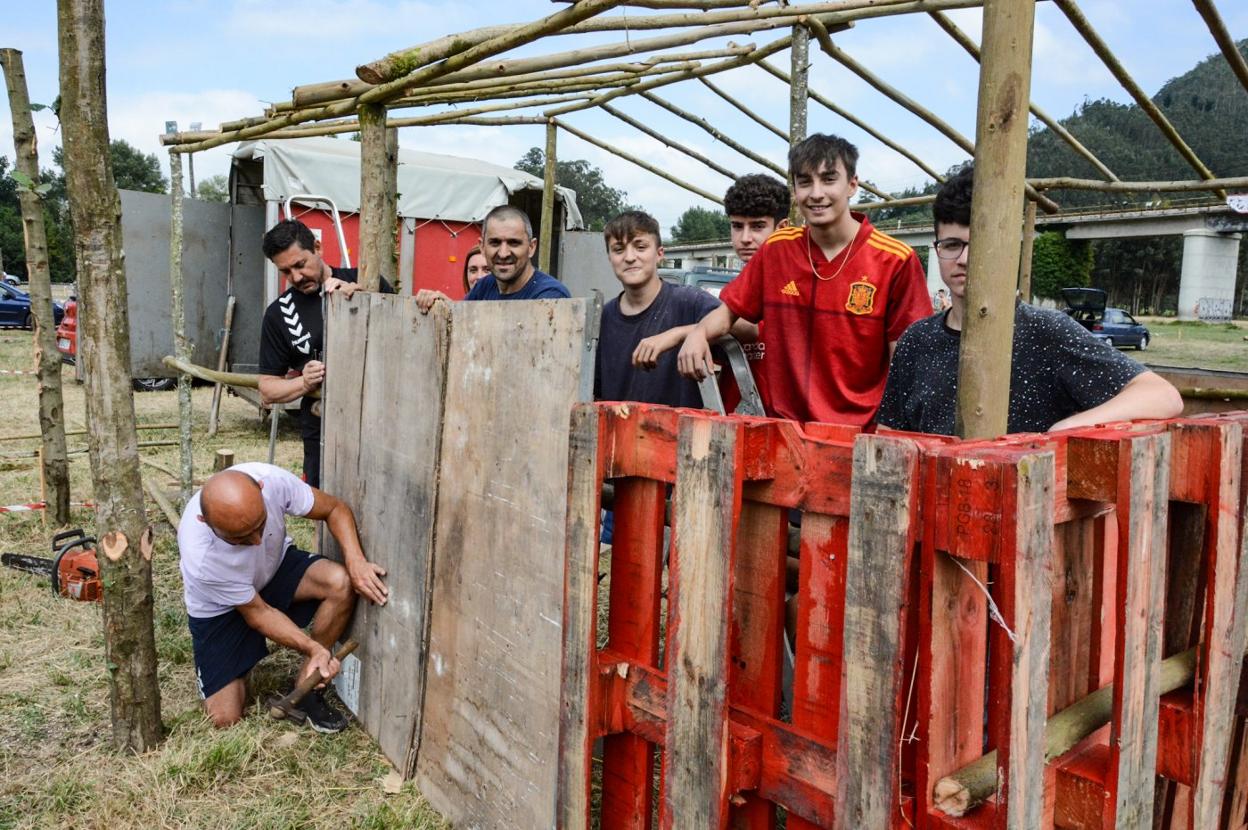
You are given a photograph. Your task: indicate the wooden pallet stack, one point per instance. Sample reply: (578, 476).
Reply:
(954, 600)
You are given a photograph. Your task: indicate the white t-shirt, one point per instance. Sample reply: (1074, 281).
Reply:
(218, 576)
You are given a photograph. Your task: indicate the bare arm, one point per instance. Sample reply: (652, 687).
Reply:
(744, 331)
(283, 390)
(649, 350)
(695, 356)
(365, 576)
(1147, 396)
(282, 630)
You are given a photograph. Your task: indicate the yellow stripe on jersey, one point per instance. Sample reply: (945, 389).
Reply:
(888, 249)
(883, 239)
(784, 233)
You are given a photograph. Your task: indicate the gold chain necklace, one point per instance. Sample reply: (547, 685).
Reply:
(849, 252)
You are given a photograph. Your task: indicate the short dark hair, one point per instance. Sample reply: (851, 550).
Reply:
(505, 212)
(821, 148)
(953, 200)
(286, 233)
(624, 226)
(758, 195)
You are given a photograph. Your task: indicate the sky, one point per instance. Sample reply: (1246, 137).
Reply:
(191, 61)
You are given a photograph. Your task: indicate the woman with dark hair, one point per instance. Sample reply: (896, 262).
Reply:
(476, 266)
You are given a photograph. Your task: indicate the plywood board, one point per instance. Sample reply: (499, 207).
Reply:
(488, 748)
(382, 428)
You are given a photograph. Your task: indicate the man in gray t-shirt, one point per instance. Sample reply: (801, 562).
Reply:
(244, 581)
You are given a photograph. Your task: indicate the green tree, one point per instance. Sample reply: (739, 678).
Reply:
(597, 200)
(1057, 263)
(214, 189)
(699, 224)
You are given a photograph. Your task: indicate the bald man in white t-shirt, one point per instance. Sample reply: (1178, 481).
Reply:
(244, 581)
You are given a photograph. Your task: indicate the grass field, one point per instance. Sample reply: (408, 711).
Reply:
(57, 768)
(1200, 345)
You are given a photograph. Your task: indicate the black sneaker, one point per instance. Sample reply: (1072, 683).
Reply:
(321, 716)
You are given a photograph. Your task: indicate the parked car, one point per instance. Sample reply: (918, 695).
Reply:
(711, 280)
(15, 307)
(1113, 325)
(67, 345)
(9, 279)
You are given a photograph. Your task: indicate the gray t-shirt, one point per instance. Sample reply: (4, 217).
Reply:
(218, 576)
(1058, 369)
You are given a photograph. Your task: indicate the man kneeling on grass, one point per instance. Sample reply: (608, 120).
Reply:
(1060, 375)
(245, 581)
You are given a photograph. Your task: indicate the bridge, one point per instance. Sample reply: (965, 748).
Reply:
(1211, 236)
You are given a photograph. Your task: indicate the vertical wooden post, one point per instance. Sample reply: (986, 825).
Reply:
(1029, 244)
(379, 165)
(1000, 167)
(181, 345)
(546, 234)
(53, 457)
(104, 329)
(799, 70)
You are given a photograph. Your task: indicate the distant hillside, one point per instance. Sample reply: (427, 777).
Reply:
(1207, 105)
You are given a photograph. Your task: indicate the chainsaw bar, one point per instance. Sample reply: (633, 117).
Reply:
(30, 564)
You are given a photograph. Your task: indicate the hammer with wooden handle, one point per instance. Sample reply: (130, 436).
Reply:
(287, 706)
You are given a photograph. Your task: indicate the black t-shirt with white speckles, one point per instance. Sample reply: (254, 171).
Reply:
(1058, 369)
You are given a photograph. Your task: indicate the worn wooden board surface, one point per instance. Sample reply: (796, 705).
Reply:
(882, 531)
(488, 748)
(707, 506)
(382, 427)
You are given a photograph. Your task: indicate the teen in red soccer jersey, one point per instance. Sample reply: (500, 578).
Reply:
(836, 294)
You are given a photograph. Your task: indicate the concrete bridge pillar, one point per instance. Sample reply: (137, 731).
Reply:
(1210, 261)
(934, 282)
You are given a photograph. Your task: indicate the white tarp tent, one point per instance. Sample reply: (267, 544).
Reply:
(431, 186)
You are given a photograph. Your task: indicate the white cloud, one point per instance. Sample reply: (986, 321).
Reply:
(340, 21)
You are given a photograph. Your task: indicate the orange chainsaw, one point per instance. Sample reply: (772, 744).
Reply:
(74, 571)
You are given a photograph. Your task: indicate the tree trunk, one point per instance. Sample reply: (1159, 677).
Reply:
(546, 234)
(799, 68)
(47, 358)
(181, 346)
(379, 165)
(104, 329)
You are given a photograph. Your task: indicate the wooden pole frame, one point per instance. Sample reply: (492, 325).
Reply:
(716, 133)
(182, 346)
(1224, 40)
(379, 167)
(746, 111)
(546, 238)
(675, 145)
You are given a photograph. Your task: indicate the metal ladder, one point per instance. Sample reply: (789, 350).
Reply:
(751, 401)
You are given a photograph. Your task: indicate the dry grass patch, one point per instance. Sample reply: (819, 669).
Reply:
(57, 768)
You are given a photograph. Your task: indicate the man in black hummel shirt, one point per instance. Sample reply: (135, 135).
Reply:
(292, 335)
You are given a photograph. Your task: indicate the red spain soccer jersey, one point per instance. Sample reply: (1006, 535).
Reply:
(828, 328)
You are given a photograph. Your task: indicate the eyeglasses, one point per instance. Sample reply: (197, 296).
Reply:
(950, 248)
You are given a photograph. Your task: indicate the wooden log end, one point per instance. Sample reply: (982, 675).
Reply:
(223, 460)
(114, 545)
(147, 542)
(952, 797)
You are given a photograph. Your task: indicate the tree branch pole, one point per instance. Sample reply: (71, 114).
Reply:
(715, 133)
(905, 101)
(1224, 40)
(1215, 185)
(958, 793)
(675, 145)
(54, 455)
(910, 201)
(243, 379)
(104, 331)
(645, 165)
(1029, 245)
(545, 242)
(799, 95)
(1053, 124)
(1000, 177)
(379, 167)
(1081, 24)
(182, 346)
(746, 111)
(828, 104)
(223, 358)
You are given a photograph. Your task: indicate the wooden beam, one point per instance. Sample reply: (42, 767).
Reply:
(1102, 50)
(1224, 40)
(379, 167)
(799, 72)
(545, 242)
(910, 201)
(1000, 171)
(645, 165)
(1067, 183)
(675, 145)
(857, 122)
(1053, 124)
(1029, 244)
(716, 133)
(746, 111)
(182, 346)
(899, 97)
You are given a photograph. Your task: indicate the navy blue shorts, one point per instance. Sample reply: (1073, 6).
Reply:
(226, 647)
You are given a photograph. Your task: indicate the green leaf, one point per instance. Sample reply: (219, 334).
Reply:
(43, 189)
(22, 179)
(37, 107)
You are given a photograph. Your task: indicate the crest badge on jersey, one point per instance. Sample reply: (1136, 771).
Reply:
(861, 297)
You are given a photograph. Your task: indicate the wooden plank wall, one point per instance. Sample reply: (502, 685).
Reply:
(488, 748)
(382, 429)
